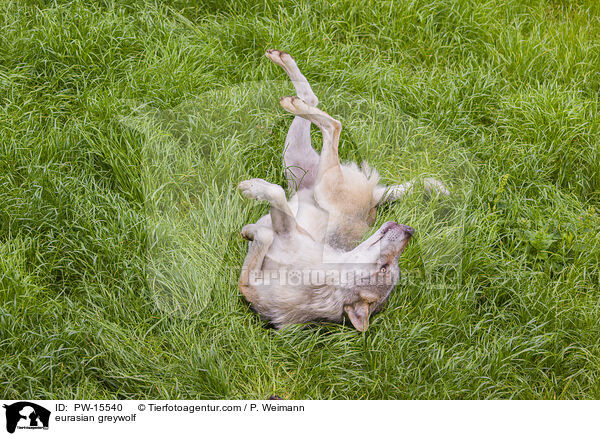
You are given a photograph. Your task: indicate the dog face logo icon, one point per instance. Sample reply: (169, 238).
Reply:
(26, 415)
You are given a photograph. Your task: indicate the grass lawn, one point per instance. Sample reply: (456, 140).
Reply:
(125, 127)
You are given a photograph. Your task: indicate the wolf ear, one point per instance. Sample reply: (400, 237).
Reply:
(358, 314)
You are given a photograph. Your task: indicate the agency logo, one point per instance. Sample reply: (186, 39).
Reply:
(26, 415)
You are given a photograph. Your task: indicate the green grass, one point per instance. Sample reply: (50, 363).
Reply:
(125, 127)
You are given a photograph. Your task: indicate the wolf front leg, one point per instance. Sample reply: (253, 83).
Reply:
(282, 218)
(261, 238)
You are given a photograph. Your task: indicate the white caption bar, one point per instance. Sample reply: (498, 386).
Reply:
(25, 417)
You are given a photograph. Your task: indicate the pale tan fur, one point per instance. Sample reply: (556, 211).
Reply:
(304, 257)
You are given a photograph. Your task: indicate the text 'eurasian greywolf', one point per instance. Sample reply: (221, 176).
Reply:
(304, 262)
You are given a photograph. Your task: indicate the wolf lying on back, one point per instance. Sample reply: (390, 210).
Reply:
(304, 262)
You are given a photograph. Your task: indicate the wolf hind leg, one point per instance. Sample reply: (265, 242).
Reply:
(301, 85)
(329, 162)
(300, 160)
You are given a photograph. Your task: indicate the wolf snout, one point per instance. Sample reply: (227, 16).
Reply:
(408, 230)
(389, 226)
(392, 225)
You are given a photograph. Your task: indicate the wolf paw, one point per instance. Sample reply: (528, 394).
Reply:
(248, 232)
(295, 105)
(259, 189)
(281, 58)
(287, 62)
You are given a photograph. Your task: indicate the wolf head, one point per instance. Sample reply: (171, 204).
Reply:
(376, 262)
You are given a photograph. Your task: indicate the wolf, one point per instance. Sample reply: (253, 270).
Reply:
(305, 261)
